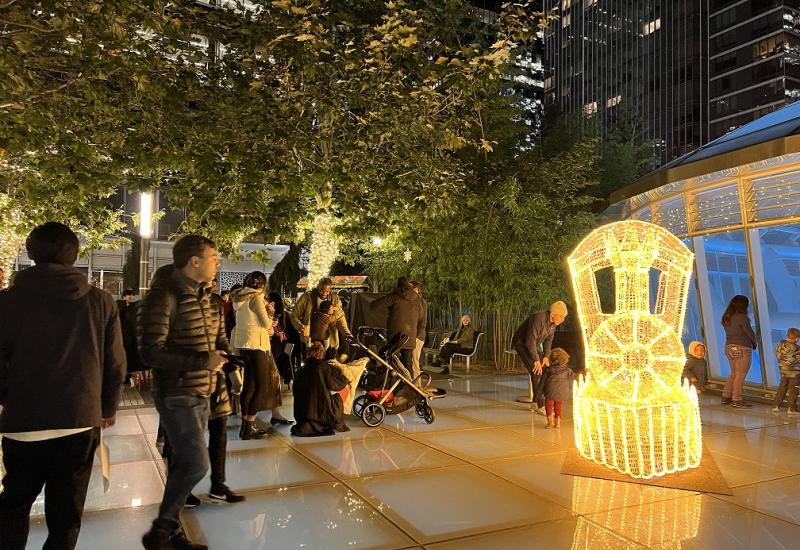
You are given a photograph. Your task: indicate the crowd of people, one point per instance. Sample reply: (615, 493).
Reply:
(211, 354)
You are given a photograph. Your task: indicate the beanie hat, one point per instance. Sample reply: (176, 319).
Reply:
(558, 308)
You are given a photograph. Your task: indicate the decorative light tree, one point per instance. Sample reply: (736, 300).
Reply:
(12, 235)
(324, 247)
(631, 411)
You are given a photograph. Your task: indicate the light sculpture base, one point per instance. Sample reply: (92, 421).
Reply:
(641, 441)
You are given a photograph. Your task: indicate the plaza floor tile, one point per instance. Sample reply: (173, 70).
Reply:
(127, 423)
(126, 448)
(445, 420)
(321, 516)
(757, 446)
(777, 498)
(258, 469)
(545, 536)
(700, 522)
(439, 504)
(738, 472)
(542, 475)
(488, 443)
(717, 420)
(360, 458)
(148, 418)
(120, 529)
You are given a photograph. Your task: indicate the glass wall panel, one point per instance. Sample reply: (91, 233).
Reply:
(692, 326)
(776, 265)
(717, 207)
(777, 195)
(722, 257)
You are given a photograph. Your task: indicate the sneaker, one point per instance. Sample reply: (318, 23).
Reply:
(727, 401)
(777, 410)
(192, 502)
(793, 413)
(180, 542)
(741, 405)
(542, 411)
(156, 539)
(224, 494)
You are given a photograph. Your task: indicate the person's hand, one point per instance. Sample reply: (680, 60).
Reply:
(546, 362)
(537, 368)
(215, 361)
(108, 422)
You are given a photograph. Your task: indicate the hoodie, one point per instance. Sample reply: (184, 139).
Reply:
(405, 314)
(62, 362)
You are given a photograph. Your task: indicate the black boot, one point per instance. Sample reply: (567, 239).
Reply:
(156, 539)
(248, 431)
(726, 400)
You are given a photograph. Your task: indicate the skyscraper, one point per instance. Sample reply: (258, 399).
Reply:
(648, 56)
(754, 60)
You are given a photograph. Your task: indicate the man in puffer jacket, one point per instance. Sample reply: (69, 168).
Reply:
(405, 312)
(182, 338)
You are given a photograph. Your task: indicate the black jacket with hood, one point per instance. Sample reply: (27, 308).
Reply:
(61, 357)
(179, 327)
(406, 314)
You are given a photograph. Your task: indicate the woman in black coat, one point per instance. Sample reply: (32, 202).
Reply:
(317, 410)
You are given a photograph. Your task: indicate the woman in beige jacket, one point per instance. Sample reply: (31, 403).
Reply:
(262, 388)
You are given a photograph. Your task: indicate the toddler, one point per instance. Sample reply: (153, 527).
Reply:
(320, 321)
(695, 367)
(789, 363)
(557, 386)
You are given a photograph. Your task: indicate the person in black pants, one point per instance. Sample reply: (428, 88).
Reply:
(61, 369)
(538, 330)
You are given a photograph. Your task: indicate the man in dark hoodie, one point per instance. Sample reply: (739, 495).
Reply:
(61, 370)
(181, 337)
(405, 316)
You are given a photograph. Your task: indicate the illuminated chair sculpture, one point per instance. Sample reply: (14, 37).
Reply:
(631, 412)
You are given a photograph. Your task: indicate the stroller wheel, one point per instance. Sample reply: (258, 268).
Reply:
(429, 416)
(359, 404)
(373, 414)
(420, 409)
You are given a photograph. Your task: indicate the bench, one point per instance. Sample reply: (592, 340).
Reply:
(432, 344)
(467, 356)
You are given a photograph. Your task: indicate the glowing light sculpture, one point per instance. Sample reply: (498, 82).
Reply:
(631, 412)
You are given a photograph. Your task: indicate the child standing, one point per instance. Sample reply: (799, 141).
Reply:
(789, 363)
(320, 321)
(695, 367)
(557, 386)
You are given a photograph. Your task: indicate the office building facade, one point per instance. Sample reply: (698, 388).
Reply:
(602, 56)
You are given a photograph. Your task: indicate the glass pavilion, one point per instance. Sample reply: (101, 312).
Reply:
(736, 203)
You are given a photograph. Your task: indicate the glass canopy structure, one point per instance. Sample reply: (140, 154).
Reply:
(736, 203)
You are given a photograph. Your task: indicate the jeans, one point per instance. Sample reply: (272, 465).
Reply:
(788, 383)
(536, 379)
(739, 357)
(184, 419)
(63, 466)
(217, 447)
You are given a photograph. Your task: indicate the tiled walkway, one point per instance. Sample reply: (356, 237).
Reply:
(485, 474)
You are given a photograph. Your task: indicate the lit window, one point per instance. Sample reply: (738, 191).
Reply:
(565, 4)
(613, 101)
(651, 27)
(590, 108)
(566, 20)
(589, 3)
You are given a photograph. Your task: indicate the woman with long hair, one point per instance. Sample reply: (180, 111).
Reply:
(280, 336)
(251, 336)
(740, 341)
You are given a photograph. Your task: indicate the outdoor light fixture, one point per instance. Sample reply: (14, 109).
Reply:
(145, 232)
(631, 412)
(146, 214)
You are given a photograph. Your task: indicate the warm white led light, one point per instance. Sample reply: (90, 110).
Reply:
(631, 412)
(146, 214)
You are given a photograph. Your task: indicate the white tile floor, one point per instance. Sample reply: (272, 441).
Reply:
(485, 475)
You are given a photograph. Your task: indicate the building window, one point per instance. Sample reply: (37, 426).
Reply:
(651, 27)
(590, 108)
(613, 101)
(566, 20)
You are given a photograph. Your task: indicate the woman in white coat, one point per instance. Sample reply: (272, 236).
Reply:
(251, 335)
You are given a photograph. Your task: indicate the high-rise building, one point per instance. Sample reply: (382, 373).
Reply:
(649, 56)
(754, 60)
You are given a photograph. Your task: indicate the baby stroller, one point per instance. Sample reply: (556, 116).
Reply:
(389, 387)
